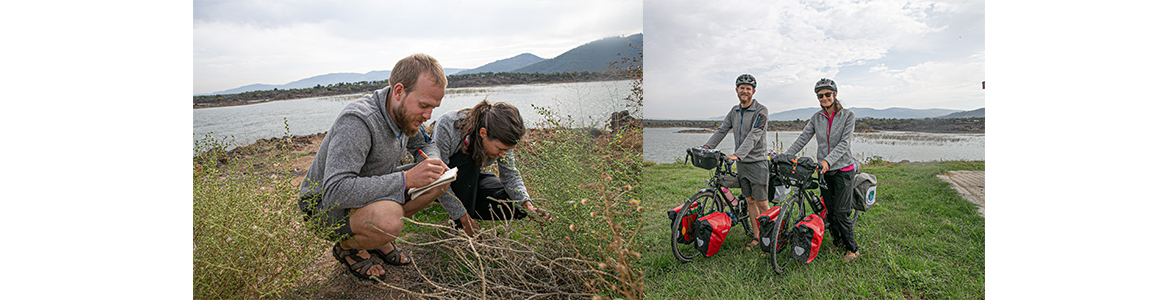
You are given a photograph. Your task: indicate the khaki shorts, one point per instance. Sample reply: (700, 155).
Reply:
(753, 179)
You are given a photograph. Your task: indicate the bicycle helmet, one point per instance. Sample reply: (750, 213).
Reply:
(826, 83)
(746, 79)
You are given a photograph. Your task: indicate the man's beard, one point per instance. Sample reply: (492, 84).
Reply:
(398, 113)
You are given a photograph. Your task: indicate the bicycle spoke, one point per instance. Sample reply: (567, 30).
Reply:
(682, 242)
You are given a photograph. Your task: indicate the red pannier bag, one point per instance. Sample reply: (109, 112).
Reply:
(687, 233)
(766, 223)
(710, 231)
(807, 237)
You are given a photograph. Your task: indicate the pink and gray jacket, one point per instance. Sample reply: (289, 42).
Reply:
(833, 142)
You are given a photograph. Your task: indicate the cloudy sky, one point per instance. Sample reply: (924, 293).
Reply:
(882, 53)
(238, 43)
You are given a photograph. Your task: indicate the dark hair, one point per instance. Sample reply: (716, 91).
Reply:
(503, 123)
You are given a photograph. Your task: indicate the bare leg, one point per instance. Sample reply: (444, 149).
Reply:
(753, 212)
(378, 224)
(374, 226)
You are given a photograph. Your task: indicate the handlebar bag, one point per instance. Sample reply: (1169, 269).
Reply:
(703, 157)
(864, 191)
(686, 234)
(806, 238)
(792, 169)
(710, 232)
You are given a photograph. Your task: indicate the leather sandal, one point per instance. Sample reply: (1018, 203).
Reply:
(397, 254)
(753, 244)
(360, 265)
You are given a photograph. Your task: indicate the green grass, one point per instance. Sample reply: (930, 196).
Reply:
(920, 241)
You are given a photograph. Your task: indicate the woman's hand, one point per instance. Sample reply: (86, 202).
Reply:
(543, 216)
(469, 225)
(824, 166)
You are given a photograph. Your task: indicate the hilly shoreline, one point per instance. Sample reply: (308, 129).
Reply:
(364, 87)
(933, 125)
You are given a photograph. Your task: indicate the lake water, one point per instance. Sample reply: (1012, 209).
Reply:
(665, 145)
(579, 104)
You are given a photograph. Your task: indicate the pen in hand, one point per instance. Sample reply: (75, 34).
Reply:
(425, 157)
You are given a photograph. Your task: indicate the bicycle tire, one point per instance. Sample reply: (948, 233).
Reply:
(684, 250)
(780, 254)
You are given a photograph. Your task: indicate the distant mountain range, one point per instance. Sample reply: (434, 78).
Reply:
(864, 112)
(323, 80)
(594, 56)
(978, 113)
(507, 64)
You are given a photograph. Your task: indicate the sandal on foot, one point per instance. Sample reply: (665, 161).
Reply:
(755, 243)
(397, 254)
(361, 266)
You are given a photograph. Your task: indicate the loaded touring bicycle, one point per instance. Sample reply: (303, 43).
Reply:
(789, 232)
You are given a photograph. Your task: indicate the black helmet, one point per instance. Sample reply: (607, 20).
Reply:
(746, 79)
(826, 83)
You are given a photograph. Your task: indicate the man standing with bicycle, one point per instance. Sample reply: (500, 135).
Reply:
(749, 121)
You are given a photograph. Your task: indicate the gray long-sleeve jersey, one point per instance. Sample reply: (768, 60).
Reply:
(356, 163)
(750, 126)
(833, 144)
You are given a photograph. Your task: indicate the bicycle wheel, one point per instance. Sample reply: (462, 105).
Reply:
(782, 252)
(681, 240)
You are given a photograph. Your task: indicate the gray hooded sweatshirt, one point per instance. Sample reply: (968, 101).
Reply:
(358, 162)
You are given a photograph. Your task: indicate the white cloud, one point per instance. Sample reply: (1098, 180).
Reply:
(274, 42)
(695, 50)
(932, 84)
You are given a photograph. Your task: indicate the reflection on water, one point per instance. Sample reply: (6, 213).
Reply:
(578, 104)
(665, 145)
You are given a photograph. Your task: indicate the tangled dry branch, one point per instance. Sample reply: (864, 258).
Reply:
(497, 264)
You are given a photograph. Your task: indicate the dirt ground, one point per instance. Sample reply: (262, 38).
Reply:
(338, 283)
(969, 184)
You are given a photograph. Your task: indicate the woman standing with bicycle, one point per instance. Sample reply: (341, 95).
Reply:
(833, 128)
(474, 138)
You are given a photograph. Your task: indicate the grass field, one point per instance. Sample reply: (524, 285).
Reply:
(920, 241)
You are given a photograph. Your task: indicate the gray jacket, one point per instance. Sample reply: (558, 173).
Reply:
(356, 164)
(449, 140)
(832, 143)
(750, 126)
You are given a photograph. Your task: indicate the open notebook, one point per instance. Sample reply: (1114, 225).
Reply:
(448, 176)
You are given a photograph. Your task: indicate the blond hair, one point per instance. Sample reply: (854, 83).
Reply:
(408, 70)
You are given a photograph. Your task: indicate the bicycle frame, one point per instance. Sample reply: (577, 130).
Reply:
(792, 210)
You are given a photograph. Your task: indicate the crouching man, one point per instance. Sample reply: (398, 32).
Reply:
(357, 183)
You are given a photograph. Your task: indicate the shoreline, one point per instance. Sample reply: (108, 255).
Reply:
(228, 103)
(867, 125)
